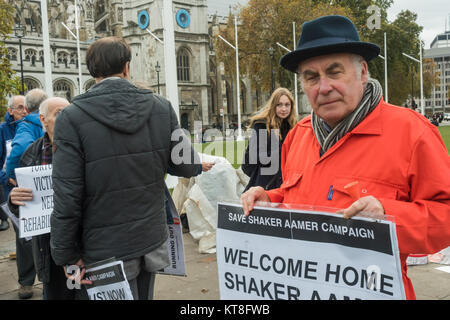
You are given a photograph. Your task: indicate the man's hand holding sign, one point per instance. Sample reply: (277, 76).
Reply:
(19, 195)
(253, 195)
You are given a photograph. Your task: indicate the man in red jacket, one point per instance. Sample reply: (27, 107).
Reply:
(394, 156)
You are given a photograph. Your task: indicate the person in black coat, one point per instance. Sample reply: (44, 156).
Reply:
(270, 127)
(112, 148)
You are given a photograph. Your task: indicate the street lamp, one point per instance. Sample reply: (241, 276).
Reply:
(19, 32)
(271, 51)
(238, 102)
(158, 69)
(295, 74)
(422, 107)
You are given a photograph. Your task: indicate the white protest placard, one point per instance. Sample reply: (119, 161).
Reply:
(175, 247)
(109, 282)
(305, 255)
(34, 217)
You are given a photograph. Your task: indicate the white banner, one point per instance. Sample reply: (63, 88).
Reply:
(305, 255)
(175, 247)
(34, 217)
(109, 282)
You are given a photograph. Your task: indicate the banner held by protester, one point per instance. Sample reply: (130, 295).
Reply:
(175, 247)
(109, 281)
(305, 255)
(34, 218)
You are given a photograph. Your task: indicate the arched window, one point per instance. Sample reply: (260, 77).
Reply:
(31, 84)
(62, 88)
(243, 95)
(99, 9)
(41, 57)
(228, 95)
(89, 84)
(30, 55)
(63, 58)
(12, 54)
(185, 121)
(100, 13)
(183, 65)
(213, 97)
(73, 58)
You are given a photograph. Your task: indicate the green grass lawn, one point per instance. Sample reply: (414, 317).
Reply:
(445, 133)
(231, 150)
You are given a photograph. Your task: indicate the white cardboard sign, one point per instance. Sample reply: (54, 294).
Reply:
(34, 217)
(305, 255)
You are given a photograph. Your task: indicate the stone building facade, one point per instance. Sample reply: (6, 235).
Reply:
(203, 87)
(440, 53)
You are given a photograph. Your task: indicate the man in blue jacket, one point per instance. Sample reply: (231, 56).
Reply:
(29, 129)
(16, 111)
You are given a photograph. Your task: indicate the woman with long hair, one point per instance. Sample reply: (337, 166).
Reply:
(270, 125)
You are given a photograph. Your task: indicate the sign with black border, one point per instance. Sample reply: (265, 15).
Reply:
(305, 255)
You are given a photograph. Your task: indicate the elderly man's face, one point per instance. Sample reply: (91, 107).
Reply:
(18, 111)
(334, 85)
(54, 108)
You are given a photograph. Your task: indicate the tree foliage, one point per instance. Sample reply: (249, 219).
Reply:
(263, 23)
(9, 83)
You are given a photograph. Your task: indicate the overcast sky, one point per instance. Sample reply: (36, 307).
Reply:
(431, 15)
(222, 7)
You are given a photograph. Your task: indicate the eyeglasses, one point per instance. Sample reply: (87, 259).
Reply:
(20, 107)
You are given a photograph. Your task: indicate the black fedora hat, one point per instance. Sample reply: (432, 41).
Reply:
(325, 35)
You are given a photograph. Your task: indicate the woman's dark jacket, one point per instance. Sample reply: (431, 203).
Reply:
(113, 147)
(262, 171)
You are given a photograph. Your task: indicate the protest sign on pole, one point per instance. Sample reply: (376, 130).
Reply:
(109, 281)
(34, 217)
(305, 255)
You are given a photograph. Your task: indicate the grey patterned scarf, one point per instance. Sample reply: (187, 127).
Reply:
(371, 98)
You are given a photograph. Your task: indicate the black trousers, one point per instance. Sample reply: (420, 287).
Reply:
(24, 260)
(3, 215)
(56, 288)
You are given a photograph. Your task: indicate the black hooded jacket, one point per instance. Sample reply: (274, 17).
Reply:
(112, 149)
